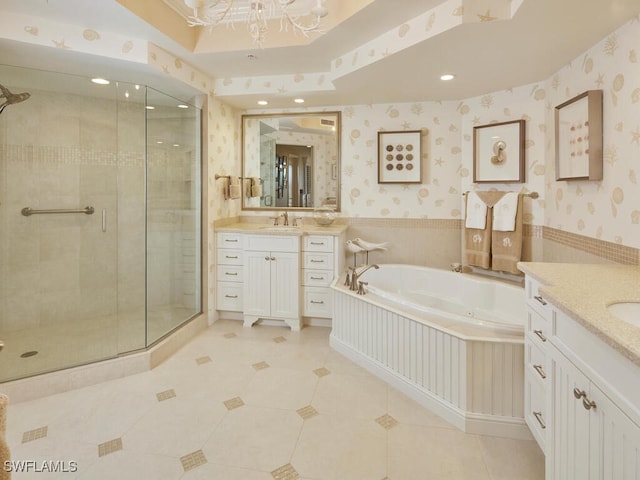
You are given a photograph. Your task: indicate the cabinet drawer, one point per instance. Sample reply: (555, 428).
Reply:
(318, 243)
(538, 329)
(226, 256)
(229, 296)
(536, 363)
(318, 302)
(322, 261)
(317, 278)
(272, 243)
(229, 240)
(229, 273)
(536, 300)
(535, 412)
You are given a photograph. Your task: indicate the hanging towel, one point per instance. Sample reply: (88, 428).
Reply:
(477, 241)
(235, 189)
(504, 212)
(255, 187)
(506, 245)
(476, 212)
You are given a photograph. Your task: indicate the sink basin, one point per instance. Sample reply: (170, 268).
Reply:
(280, 228)
(626, 311)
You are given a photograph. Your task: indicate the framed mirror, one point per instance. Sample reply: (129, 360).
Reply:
(296, 159)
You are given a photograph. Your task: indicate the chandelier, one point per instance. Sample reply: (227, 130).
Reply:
(302, 16)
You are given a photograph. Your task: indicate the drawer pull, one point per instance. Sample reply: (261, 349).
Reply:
(316, 278)
(316, 261)
(234, 274)
(231, 296)
(235, 240)
(316, 243)
(321, 302)
(267, 257)
(538, 368)
(540, 299)
(538, 416)
(540, 335)
(235, 257)
(272, 258)
(579, 393)
(588, 404)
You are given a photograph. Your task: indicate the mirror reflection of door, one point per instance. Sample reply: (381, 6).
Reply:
(293, 176)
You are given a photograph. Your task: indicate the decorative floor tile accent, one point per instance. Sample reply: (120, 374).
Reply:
(279, 339)
(321, 372)
(203, 360)
(166, 395)
(307, 412)
(386, 421)
(233, 403)
(193, 460)
(230, 335)
(285, 472)
(260, 365)
(109, 447)
(32, 435)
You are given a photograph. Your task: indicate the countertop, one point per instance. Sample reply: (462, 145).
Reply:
(583, 292)
(267, 228)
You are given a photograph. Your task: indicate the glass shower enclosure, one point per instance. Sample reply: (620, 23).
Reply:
(100, 219)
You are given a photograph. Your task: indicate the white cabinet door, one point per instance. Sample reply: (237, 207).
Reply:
(285, 285)
(257, 283)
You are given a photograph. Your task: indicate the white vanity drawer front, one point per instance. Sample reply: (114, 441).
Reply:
(536, 300)
(536, 414)
(318, 302)
(272, 243)
(536, 361)
(229, 240)
(538, 329)
(227, 256)
(229, 296)
(317, 278)
(322, 261)
(318, 243)
(229, 273)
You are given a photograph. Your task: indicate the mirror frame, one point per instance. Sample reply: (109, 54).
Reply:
(338, 117)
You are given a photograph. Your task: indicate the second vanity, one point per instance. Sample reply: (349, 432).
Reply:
(278, 273)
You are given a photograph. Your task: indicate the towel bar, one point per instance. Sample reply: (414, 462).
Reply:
(28, 211)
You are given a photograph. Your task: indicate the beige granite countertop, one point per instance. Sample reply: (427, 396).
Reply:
(265, 228)
(583, 292)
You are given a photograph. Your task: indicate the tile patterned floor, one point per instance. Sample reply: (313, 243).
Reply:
(255, 404)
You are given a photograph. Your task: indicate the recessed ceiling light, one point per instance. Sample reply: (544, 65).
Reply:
(100, 81)
(176, 144)
(447, 76)
(263, 102)
(159, 142)
(149, 107)
(182, 105)
(299, 100)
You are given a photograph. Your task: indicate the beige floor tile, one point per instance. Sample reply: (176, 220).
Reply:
(428, 452)
(256, 438)
(406, 410)
(280, 388)
(213, 472)
(129, 465)
(333, 447)
(507, 459)
(356, 396)
(338, 363)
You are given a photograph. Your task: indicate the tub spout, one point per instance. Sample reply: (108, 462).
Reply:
(355, 275)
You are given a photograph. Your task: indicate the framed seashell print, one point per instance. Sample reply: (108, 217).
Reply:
(498, 152)
(579, 137)
(400, 157)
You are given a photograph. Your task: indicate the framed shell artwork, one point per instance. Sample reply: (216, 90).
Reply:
(498, 152)
(400, 157)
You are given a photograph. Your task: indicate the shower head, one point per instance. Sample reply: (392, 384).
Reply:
(11, 98)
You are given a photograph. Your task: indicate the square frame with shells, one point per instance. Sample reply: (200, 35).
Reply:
(400, 157)
(578, 129)
(498, 152)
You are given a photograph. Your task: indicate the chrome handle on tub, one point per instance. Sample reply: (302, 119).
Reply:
(540, 299)
(540, 335)
(538, 368)
(538, 416)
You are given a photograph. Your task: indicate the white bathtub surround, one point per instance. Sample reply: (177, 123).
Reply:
(462, 356)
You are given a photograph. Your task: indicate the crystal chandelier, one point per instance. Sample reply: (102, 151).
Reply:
(301, 15)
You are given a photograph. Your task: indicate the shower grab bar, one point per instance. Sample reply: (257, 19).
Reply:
(28, 211)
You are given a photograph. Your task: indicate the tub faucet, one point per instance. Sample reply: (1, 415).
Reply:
(285, 215)
(355, 275)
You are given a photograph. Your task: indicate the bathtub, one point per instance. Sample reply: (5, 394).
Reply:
(454, 342)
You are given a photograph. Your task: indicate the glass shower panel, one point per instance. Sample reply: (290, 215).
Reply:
(173, 213)
(58, 275)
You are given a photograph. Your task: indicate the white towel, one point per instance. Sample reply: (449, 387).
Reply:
(476, 212)
(504, 213)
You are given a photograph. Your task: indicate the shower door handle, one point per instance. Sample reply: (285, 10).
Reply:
(104, 219)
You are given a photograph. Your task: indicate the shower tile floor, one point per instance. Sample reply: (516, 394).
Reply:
(255, 404)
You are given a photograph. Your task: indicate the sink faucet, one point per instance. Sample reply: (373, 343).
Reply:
(355, 275)
(285, 215)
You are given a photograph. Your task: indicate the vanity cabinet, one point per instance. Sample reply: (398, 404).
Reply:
(271, 279)
(582, 397)
(229, 271)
